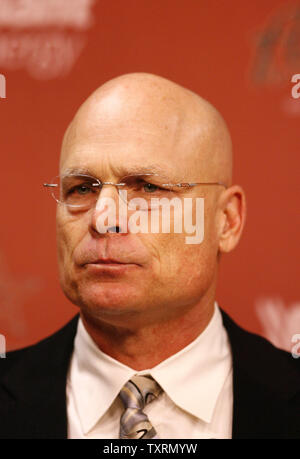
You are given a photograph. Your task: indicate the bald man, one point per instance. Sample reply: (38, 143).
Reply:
(151, 354)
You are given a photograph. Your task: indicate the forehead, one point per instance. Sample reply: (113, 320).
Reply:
(116, 157)
(122, 130)
(127, 150)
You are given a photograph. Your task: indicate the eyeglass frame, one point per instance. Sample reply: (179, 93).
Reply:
(100, 184)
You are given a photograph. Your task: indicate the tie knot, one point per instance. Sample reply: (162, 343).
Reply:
(139, 391)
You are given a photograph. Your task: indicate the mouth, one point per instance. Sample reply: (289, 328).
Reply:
(109, 266)
(108, 261)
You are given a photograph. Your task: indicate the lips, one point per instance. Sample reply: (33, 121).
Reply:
(103, 252)
(107, 261)
(109, 267)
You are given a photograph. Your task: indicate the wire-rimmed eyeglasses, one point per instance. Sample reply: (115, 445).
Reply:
(80, 191)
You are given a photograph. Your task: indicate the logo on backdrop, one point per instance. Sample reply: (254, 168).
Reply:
(277, 51)
(45, 37)
(276, 58)
(281, 323)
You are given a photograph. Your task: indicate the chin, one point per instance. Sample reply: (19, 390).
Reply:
(108, 298)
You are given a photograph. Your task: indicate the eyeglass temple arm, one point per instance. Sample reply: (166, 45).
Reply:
(211, 183)
(186, 185)
(53, 185)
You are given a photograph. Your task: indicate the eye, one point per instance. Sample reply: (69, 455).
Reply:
(149, 187)
(83, 189)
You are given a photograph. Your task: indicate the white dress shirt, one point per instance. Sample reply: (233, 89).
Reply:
(197, 397)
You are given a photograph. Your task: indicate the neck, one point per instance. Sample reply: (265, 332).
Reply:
(145, 346)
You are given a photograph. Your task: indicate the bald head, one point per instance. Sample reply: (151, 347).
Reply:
(186, 130)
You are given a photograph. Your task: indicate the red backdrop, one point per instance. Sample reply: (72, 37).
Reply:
(239, 55)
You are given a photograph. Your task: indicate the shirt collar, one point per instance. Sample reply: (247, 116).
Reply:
(192, 378)
(95, 378)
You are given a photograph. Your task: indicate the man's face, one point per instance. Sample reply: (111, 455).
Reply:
(160, 275)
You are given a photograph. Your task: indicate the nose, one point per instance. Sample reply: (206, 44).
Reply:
(114, 229)
(110, 213)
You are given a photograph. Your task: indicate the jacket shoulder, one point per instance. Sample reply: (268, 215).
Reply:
(266, 386)
(33, 387)
(51, 348)
(259, 356)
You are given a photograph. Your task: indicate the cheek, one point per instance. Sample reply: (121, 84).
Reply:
(173, 255)
(182, 265)
(185, 272)
(67, 239)
(68, 233)
(62, 237)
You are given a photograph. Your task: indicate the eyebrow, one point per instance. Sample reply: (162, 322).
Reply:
(120, 171)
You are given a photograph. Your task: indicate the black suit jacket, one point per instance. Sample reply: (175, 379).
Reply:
(266, 385)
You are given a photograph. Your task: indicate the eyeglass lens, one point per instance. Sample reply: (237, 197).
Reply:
(82, 191)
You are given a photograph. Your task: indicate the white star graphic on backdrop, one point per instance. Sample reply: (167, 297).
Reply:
(280, 321)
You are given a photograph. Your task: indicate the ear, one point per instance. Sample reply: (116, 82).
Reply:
(233, 215)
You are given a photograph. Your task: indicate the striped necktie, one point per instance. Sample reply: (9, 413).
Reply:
(136, 393)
